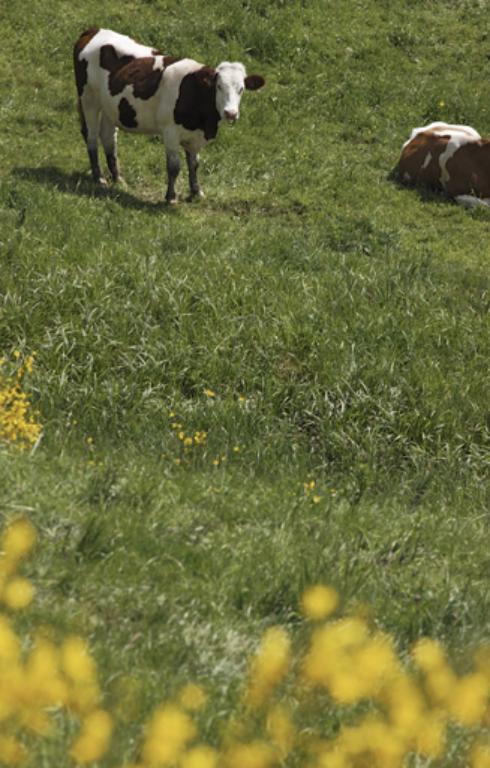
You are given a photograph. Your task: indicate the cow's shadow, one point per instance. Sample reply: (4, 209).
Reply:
(80, 185)
(425, 193)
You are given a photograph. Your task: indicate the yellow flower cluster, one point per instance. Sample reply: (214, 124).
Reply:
(311, 491)
(269, 666)
(17, 541)
(187, 441)
(48, 677)
(395, 710)
(18, 423)
(410, 710)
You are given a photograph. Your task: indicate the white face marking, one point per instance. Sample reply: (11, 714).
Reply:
(230, 84)
(427, 160)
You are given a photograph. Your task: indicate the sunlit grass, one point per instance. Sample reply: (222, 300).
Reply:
(284, 385)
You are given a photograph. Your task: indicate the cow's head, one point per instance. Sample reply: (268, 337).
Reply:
(230, 80)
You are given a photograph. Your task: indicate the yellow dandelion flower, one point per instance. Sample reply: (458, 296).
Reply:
(29, 363)
(192, 697)
(18, 594)
(405, 704)
(281, 729)
(11, 752)
(480, 756)
(80, 668)
(329, 660)
(18, 539)
(200, 757)
(469, 699)
(333, 759)
(428, 654)
(319, 601)
(94, 738)
(430, 736)
(169, 730)
(76, 659)
(209, 393)
(44, 674)
(269, 665)
(256, 754)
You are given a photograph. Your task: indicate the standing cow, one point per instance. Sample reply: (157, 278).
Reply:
(122, 84)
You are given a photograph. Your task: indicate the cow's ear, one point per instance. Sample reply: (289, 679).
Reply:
(206, 77)
(254, 82)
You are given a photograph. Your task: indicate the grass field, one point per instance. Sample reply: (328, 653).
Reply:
(327, 330)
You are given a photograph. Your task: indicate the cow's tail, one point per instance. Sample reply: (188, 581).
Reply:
(83, 122)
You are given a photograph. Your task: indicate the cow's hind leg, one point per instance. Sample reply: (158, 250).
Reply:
(90, 120)
(171, 140)
(193, 164)
(108, 136)
(173, 170)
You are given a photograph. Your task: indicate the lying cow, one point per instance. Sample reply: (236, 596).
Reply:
(452, 158)
(122, 84)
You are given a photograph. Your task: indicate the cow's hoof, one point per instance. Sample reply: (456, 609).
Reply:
(171, 200)
(101, 183)
(194, 197)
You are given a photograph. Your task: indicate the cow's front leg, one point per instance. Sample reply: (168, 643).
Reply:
(193, 164)
(173, 169)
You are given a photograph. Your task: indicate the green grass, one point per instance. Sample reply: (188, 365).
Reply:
(349, 313)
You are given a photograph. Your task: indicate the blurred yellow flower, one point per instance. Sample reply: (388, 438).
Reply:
(469, 699)
(192, 697)
(11, 751)
(269, 665)
(281, 729)
(18, 539)
(94, 738)
(200, 757)
(319, 601)
(480, 756)
(18, 594)
(257, 754)
(169, 731)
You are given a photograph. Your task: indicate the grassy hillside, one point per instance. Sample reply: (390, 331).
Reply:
(315, 320)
